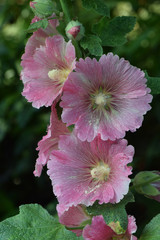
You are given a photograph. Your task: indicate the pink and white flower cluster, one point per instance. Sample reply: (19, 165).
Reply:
(103, 99)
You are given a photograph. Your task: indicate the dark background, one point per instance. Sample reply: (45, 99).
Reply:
(22, 126)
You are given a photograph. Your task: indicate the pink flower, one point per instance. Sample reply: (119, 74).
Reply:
(105, 98)
(99, 230)
(46, 72)
(46, 64)
(83, 172)
(74, 217)
(50, 141)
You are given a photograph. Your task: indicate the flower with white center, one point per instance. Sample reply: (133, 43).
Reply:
(46, 71)
(105, 98)
(83, 172)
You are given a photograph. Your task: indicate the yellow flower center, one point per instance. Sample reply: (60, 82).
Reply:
(101, 99)
(59, 75)
(100, 172)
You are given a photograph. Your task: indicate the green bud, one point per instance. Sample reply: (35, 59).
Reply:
(42, 8)
(148, 184)
(75, 30)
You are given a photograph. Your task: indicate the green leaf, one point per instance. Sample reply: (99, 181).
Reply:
(34, 223)
(36, 25)
(93, 44)
(43, 8)
(113, 212)
(152, 229)
(98, 5)
(113, 32)
(153, 83)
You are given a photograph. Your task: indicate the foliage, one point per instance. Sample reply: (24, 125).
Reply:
(34, 222)
(153, 83)
(152, 229)
(22, 126)
(113, 212)
(93, 44)
(39, 24)
(112, 33)
(97, 5)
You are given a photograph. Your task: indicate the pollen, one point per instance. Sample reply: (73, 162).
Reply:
(59, 75)
(100, 172)
(101, 99)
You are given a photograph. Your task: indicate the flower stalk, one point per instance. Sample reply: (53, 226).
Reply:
(65, 10)
(68, 19)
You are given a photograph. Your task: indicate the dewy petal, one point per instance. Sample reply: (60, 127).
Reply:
(105, 98)
(73, 218)
(45, 73)
(132, 227)
(98, 230)
(73, 178)
(50, 141)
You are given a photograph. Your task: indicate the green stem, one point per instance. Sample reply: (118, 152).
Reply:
(65, 10)
(78, 51)
(82, 225)
(68, 19)
(75, 228)
(145, 183)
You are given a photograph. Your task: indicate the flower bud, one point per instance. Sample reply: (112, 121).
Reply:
(148, 184)
(75, 216)
(32, 4)
(75, 30)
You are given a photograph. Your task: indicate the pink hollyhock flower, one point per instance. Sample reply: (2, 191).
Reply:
(99, 230)
(83, 172)
(74, 218)
(46, 71)
(105, 98)
(50, 141)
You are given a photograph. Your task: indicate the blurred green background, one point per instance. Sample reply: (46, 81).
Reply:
(22, 126)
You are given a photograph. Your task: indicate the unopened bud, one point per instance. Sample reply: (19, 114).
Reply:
(32, 4)
(148, 184)
(75, 30)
